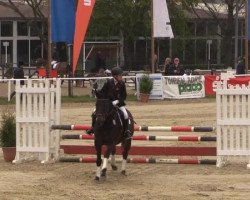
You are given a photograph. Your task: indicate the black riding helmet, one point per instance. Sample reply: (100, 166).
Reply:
(116, 71)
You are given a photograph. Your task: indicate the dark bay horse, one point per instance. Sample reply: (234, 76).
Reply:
(109, 130)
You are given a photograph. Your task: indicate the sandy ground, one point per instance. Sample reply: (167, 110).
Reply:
(143, 181)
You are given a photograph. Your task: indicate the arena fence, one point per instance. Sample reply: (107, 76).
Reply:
(233, 124)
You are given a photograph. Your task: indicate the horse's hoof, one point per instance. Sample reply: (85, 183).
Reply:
(103, 174)
(114, 167)
(123, 172)
(97, 178)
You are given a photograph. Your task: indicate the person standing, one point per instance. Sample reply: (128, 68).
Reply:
(240, 69)
(100, 63)
(167, 66)
(176, 68)
(18, 73)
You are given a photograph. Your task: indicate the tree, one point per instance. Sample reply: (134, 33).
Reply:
(130, 19)
(38, 8)
(214, 10)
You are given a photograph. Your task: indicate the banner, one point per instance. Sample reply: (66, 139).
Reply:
(83, 14)
(157, 92)
(62, 20)
(248, 21)
(162, 27)
(181, 87)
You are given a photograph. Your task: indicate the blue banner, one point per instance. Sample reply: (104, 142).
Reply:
(63, 20)
(248, 21)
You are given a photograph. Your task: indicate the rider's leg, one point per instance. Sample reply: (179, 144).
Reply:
(127, 132)
(91, 131)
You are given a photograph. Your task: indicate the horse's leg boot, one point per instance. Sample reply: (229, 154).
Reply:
(91, 131)
(127, 133)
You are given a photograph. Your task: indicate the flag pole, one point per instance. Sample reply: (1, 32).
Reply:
(152, 38)
(246, 36)
(49, 40)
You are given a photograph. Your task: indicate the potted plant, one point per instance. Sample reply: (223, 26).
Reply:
(8, 136)
(145, 87)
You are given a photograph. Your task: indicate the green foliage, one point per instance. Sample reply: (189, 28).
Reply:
(145, 84)
(8, 129)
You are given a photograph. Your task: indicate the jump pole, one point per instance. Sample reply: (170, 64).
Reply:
(144, 160)
(186, 138)
(142, 128)
(144, 150)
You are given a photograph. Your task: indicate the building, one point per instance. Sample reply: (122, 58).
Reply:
(200, 48)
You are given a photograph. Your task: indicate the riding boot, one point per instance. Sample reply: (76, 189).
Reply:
(91, 131)
(127, 132)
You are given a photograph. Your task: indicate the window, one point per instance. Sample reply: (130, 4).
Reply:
(200, 29)
(35, 49)
(6, 29)
(23, 51)
(212, 28)
(22, 29)
(201, 51)
(190, 28)
(35, 28)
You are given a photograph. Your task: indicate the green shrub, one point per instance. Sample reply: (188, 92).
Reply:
(145, 84)
(8, 130)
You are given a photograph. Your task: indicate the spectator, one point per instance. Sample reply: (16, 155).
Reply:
(167, 66)
(241, 66)
(176, 68)
(156, 64)
(100, 63)
(18, 74)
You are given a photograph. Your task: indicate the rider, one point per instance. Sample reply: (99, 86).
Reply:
(115, 90)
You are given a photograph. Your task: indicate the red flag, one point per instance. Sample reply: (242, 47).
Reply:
(83, 14)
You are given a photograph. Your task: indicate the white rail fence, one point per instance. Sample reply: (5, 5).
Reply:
(38, 105)
(233, 122)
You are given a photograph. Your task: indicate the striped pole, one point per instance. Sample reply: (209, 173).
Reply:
(144, 150)
(187, 138)
(144, 160)
(175, 128)
(142, 128)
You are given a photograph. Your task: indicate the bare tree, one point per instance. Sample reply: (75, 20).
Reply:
(38, 8)
(216, 10)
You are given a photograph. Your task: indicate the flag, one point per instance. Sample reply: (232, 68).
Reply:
(248, 15)
(83, 14)
(161, 21)
(62, 20)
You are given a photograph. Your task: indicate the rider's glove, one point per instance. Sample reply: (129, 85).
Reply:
(115, 102)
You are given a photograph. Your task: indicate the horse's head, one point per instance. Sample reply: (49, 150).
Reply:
(103, 109)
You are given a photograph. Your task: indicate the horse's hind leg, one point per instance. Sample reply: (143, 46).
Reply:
(113, 165)
(126, 147)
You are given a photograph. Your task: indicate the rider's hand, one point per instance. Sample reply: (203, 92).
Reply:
(115, 102)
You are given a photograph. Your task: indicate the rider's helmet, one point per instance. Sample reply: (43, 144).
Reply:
(116, 71)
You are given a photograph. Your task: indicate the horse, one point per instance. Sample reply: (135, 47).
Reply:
(109, 131)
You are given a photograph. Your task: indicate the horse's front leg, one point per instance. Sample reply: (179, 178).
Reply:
(126, 147)
(105, 160)
(113, 165)
(98, 148)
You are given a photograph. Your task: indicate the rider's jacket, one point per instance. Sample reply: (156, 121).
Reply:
(114, 90)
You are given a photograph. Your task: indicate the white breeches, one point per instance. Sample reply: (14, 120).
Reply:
(125, 113)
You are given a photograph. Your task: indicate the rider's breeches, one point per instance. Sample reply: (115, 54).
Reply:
(125, 113)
